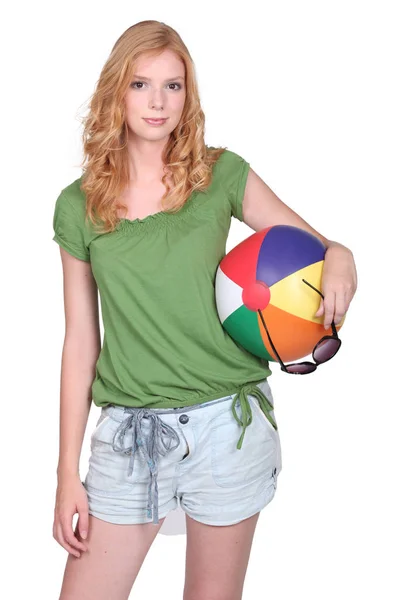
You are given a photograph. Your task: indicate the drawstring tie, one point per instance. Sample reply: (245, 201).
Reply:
(154, 445)
(247, 416)
(150, 446)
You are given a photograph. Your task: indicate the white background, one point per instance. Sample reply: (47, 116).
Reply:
(308, 93)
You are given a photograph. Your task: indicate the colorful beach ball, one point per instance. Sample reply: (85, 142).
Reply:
(264, 273)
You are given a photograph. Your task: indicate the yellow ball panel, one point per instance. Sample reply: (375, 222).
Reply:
(294, 296)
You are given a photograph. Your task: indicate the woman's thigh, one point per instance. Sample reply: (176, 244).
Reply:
(217, 559)
(111, 563)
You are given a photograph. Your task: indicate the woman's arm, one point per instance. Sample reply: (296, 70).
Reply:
(262, 208)
(80, 352)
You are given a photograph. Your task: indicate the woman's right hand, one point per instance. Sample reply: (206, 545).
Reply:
(71, 498)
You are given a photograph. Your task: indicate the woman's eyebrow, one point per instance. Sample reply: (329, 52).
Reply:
(148, 79)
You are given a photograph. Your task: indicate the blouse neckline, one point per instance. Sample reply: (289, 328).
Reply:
(160, 218)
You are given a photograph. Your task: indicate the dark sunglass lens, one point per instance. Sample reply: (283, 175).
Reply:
(326, 349)
(301, 369)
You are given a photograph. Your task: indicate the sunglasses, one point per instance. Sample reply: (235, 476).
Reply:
(324, 350)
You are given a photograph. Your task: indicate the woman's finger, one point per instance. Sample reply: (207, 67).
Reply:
(320, 308)
(340, 308)
(82, 527)
(329, 304)
(68, 533)
(60, 539)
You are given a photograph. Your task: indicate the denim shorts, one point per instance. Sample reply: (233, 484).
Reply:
(220, 459)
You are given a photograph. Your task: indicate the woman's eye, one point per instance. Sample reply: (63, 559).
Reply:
(135, 83)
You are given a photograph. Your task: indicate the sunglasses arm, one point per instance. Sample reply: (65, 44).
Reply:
(270, 341)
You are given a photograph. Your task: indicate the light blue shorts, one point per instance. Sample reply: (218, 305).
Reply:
(143, 461)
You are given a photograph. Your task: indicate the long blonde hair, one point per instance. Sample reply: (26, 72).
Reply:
(187, 160)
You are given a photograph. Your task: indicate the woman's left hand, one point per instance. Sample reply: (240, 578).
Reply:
(339, 283)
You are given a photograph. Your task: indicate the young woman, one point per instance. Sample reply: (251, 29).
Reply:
(146, 226)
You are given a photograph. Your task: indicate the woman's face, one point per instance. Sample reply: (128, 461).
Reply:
(157, 90)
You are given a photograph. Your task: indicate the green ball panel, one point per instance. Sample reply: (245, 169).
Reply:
(242, 326)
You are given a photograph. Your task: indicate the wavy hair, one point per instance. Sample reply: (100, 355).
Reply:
(187, 160)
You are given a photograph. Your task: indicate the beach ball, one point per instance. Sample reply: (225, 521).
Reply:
(261, 279)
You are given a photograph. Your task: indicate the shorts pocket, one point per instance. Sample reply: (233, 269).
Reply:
(254, 461)
(259, 414)
(266, 389)
(97, 434)
(108, 469)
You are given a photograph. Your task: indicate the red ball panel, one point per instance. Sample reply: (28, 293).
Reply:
(256, 295)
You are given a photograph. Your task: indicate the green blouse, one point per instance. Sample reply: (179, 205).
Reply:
(164, 345)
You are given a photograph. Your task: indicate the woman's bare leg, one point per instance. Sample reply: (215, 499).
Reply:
(111, 563)
(217, 559)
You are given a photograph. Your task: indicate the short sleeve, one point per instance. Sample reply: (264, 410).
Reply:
(68, 228)
(235, 171)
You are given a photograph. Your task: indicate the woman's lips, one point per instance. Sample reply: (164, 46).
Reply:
(155, 121)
